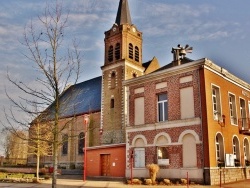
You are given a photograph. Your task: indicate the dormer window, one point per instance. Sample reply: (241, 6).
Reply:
(110, 53)
(117, 51)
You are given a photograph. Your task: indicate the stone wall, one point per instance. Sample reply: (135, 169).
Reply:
(228, 175)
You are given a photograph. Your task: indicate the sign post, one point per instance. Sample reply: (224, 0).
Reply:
(86, 124)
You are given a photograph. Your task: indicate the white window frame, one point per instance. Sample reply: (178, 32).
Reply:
(243, 113)
(139, 157)
(162, 104)
(216, 102)
(162, 161)
(232, 109)
(218, 148)
(236, 149)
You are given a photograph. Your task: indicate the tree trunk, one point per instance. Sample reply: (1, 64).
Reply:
(55, 157)
(37, 167)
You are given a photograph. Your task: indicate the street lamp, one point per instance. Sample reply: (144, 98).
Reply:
(86, 124)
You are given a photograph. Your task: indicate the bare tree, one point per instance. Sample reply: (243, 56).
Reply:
(56, 67)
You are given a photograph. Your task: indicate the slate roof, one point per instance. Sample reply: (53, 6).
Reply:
(78, 99)
(123, 13)
(172, 64)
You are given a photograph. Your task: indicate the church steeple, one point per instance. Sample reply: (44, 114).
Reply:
(123, 13)
(123, 60)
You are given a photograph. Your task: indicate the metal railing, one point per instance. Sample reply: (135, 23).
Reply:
(244, 124)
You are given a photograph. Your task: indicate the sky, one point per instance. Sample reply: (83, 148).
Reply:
(216, 29)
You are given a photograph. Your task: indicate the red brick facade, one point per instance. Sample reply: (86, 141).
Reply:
(200, 75)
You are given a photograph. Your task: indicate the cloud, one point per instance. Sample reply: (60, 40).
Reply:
(190, 22)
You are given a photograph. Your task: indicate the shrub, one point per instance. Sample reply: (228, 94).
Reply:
(153, 170)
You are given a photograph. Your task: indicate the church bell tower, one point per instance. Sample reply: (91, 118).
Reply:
(123, 60)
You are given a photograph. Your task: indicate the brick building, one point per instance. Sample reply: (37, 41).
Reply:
(190, 116)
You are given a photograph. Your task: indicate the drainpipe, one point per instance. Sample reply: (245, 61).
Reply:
(202, 67)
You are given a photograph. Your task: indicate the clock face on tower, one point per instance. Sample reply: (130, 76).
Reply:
(114, 29)
(133, 29)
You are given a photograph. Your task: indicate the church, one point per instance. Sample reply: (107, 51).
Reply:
(189, 116)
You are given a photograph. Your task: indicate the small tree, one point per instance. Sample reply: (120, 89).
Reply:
(153, 170)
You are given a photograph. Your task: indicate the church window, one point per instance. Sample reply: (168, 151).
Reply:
(117, 51)
(112, 103)
(81, 143)
(131, 54)
(110, 53)
(113, 78)
(137, 58)
(65, 144)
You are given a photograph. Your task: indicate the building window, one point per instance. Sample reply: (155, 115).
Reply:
(112, 103)
(162, 156)
(236, 151)
(65, 144)
(110, 53)
(113, 80)
(130, 49)
(246, 152)
(219, 146)
(117, 51)
(243, 120)
(162, 107)
(232, 108)
(139, 157)
(137, 54)
(216, 103)
(81, 142)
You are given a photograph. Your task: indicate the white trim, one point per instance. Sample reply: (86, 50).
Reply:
(196, 136)
(166, 135)
(165, 125)
(139, 137)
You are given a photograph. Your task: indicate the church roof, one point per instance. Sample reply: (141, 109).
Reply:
(78, 99)
(123, 13)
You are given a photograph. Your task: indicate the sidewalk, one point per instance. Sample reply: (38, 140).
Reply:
(78, 183)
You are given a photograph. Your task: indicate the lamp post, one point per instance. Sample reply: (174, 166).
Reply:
(85, 123)
(131, 165)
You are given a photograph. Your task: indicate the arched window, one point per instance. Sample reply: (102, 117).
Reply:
(110, 53)
(137, 54)
(65, 144)
(236, 151)
(117, 51)
(113, 80)
(246, 152)
(81, 142)
(130, 49)
(219, 146)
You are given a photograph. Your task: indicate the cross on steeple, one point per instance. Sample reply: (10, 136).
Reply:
(123, 13)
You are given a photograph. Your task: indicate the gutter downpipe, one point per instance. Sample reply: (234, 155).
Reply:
(202, 67)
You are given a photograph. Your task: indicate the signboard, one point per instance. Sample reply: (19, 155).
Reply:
(230, 160)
